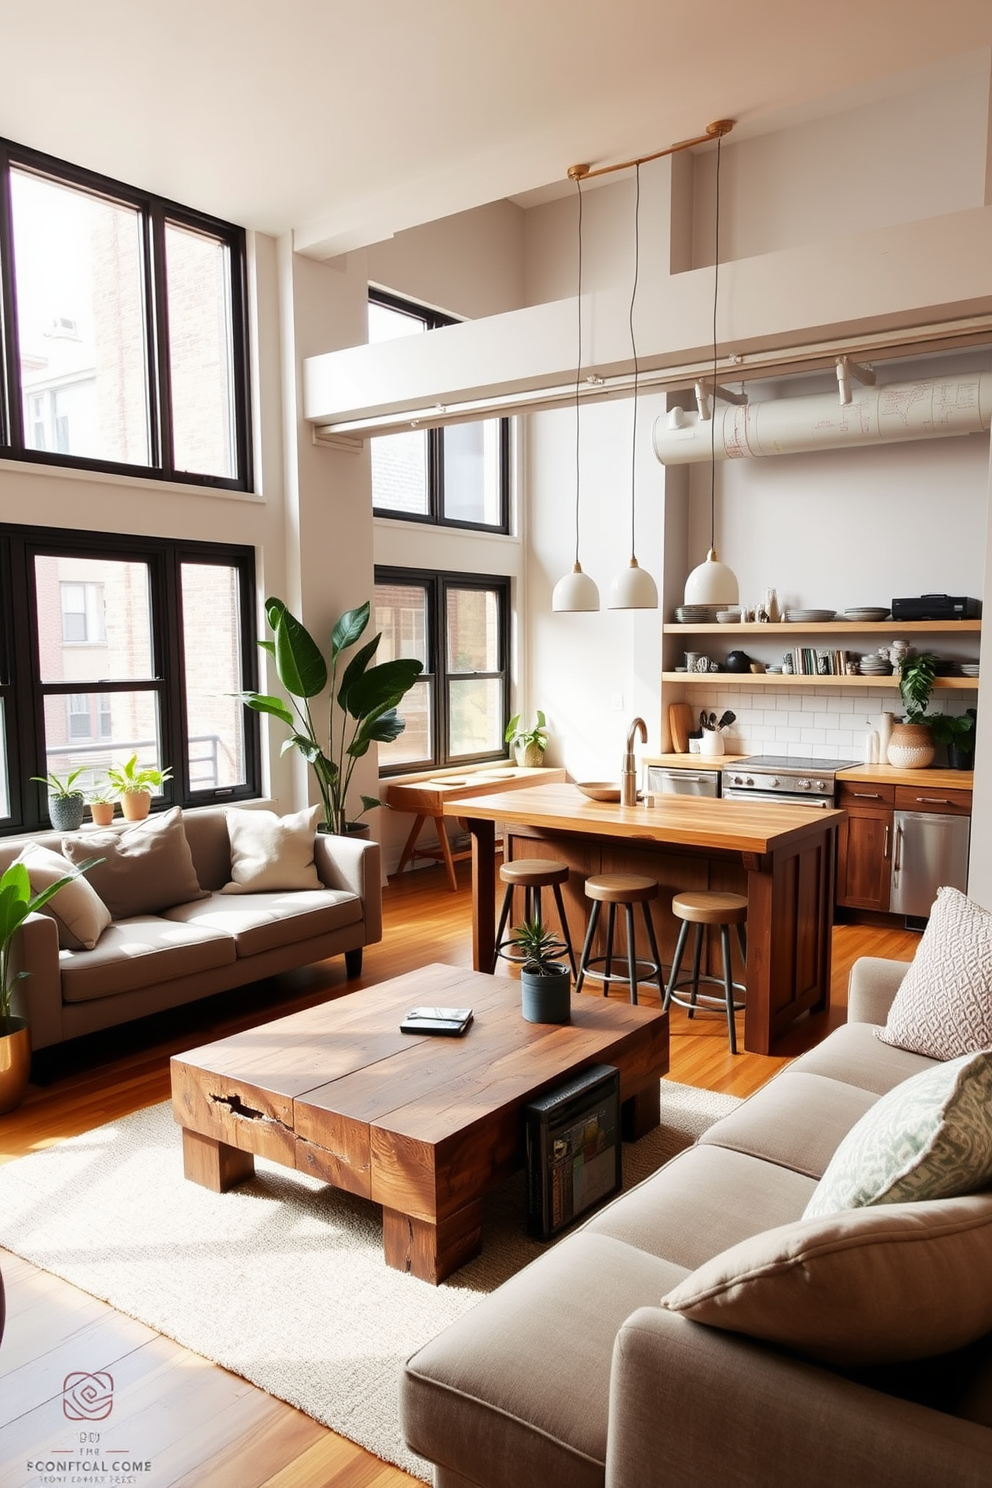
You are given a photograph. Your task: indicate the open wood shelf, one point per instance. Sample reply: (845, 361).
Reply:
(829, 627)
(806, 679)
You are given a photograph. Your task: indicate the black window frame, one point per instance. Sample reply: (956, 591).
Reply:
(155, 213)
(23, 692)
(437, 582)
(435, 516)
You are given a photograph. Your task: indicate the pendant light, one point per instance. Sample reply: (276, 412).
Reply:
(712, 582)
(576, 591)
(634, 588)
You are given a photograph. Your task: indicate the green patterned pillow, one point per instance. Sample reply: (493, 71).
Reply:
(929, 1138)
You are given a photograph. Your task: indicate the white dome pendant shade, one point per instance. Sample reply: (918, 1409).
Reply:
(712, 583)
(633, 589)
(575, 591)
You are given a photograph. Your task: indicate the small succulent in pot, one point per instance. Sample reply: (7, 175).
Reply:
(65, 804)
(545, 984)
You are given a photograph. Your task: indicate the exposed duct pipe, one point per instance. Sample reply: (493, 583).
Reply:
(783, 426)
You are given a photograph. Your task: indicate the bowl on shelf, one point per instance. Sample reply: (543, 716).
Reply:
(867, 612)
(809, 617)
(599, 790)
(728, 617)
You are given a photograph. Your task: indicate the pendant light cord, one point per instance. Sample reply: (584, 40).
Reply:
(713, 398)
(633, 352)
(578, 369)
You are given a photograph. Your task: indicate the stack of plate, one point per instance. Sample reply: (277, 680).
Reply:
(875, 666)
(701, 614)
(867, 612)
(969, 669)
(809, 617)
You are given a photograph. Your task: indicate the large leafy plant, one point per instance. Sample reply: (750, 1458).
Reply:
(16, 903)
(367, 697)
(916, 679)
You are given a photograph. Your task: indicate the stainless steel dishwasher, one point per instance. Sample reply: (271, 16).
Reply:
(929, 851)
(667, 782)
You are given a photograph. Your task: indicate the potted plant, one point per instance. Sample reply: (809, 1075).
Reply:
(911, 745)
(957, 732)
(528, 745)
(545, 984)
(65, 805)
(366, 695)
(133, 785)
(102, 802)
(16, 903)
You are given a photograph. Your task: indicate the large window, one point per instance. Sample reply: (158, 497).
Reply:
(457, 476)
(457, 625)
(124, 328)
(112, 646)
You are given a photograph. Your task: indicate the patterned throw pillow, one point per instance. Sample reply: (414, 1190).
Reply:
(928, 1138)
(944, 1006)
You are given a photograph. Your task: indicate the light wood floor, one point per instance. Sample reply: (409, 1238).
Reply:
(202, 1425)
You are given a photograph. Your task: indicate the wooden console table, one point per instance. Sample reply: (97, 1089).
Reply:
(427, 794)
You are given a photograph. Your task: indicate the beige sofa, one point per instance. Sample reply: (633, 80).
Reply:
(571, 1375)
(148, 962)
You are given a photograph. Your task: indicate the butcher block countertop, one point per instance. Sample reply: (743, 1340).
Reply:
(688, 821)
(935, 779)
(692, 761)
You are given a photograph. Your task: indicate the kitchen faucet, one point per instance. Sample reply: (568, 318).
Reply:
(628, 772)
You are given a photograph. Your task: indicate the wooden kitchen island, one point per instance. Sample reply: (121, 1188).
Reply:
(781, 857)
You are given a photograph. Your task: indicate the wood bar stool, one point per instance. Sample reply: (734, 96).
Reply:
(532, 875)
(702, 907)
(627, 889)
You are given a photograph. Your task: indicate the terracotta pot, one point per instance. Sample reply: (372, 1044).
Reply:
(15, 1062)
(911, 746)
(102, 813)
(136, 805)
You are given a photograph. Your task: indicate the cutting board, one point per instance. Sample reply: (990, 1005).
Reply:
(680, 723)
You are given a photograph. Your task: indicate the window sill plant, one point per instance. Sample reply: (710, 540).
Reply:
(366, 698)
(102, 805)
(65, 805)
(545, 983)
(133, 786)
(528, 745)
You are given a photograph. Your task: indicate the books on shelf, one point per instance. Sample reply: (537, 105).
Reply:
(444, 1020)
(813, 661)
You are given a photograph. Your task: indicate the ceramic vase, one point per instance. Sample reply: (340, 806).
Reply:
(66, 812)
(911, 746)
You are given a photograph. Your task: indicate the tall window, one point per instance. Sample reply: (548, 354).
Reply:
(457, 625)
(457, 476)
(112, 646)
(124, 328)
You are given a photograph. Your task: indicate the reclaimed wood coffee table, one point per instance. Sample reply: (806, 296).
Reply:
(422, 1125)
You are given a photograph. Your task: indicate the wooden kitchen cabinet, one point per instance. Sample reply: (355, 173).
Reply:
(864, 845)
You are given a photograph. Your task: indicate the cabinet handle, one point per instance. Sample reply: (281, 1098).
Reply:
(933, 800)
(898, 858)
(885, 843)
(867, 795)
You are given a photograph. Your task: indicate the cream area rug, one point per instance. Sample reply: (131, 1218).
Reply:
(282, 1279)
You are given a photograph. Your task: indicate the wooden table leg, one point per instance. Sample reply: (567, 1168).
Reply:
(431, 1251)
(483, 892)
(410, 843)
(641, 1113)
(214, 1164)
(445, 846)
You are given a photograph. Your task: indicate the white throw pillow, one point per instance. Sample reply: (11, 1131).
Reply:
(928, 1138)
(944, 1004)
(77, 909)
(271, 853)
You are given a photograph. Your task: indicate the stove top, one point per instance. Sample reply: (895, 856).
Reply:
(783, 764)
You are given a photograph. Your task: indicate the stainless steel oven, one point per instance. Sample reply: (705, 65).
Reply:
(782, 780)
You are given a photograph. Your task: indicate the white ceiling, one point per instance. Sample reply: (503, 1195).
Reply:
(349, 120)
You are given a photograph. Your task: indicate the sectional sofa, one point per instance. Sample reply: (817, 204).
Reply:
(848, 1345)
(176, 925)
